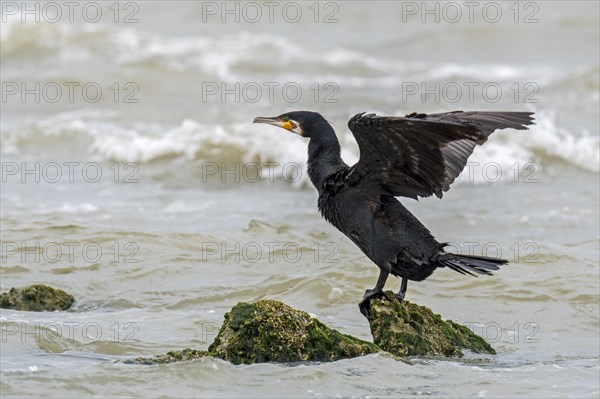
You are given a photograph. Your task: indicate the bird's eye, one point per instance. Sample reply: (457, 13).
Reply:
(285, 118)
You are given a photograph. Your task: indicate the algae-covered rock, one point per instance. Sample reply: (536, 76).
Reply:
(270, 331)
(36, 298)
(406, 329)
(170, 357)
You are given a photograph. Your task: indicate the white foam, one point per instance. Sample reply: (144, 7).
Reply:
(241, 142)
(231, 57)
(234, 57)
(85, 207)
(82, 208)
(244, 142)
(17, 36)
(547, 137)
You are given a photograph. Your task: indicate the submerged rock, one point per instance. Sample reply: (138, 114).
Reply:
(36, 298)
(271, 331)
(406, 329)
(170, 357)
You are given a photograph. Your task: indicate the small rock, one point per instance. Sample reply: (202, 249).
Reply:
(36, 298)
(406, 329)
(271, 331)
(170, 357)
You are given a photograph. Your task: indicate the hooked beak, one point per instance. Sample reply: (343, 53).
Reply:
(276, 121)
(271, 121)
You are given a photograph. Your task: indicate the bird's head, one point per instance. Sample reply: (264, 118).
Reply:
(303, 123)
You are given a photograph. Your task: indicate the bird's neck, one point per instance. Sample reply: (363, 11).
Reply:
(324, 156)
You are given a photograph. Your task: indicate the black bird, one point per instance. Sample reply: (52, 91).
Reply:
(413, 156)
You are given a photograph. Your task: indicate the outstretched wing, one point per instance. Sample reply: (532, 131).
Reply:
(419, 154)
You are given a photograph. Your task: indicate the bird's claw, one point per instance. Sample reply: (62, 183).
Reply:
(364, 304)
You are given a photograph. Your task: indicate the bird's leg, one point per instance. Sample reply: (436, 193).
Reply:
(375, 292)
(403, 287)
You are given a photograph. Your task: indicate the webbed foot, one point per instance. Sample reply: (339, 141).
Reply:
(364, 304)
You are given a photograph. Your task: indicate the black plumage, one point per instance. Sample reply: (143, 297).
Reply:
(413, 156)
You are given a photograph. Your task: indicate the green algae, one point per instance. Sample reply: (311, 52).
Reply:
(406, 329)
(170, 357)
(36, 298)
(271, 331)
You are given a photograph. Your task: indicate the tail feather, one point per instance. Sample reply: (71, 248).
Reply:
(468, 264)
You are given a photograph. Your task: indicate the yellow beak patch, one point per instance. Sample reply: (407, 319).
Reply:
(287, 125)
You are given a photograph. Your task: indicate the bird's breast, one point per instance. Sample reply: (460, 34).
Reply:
(348, 211)
(382, 228)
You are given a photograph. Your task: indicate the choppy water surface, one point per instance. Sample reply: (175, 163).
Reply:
(152, 198)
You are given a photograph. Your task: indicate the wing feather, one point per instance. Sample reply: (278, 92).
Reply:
(419, 154)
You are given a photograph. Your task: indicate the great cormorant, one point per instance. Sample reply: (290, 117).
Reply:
(413, 156)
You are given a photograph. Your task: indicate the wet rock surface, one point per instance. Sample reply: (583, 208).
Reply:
(406, 329)
(170, 357)
(36, 298)
(271, 331)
